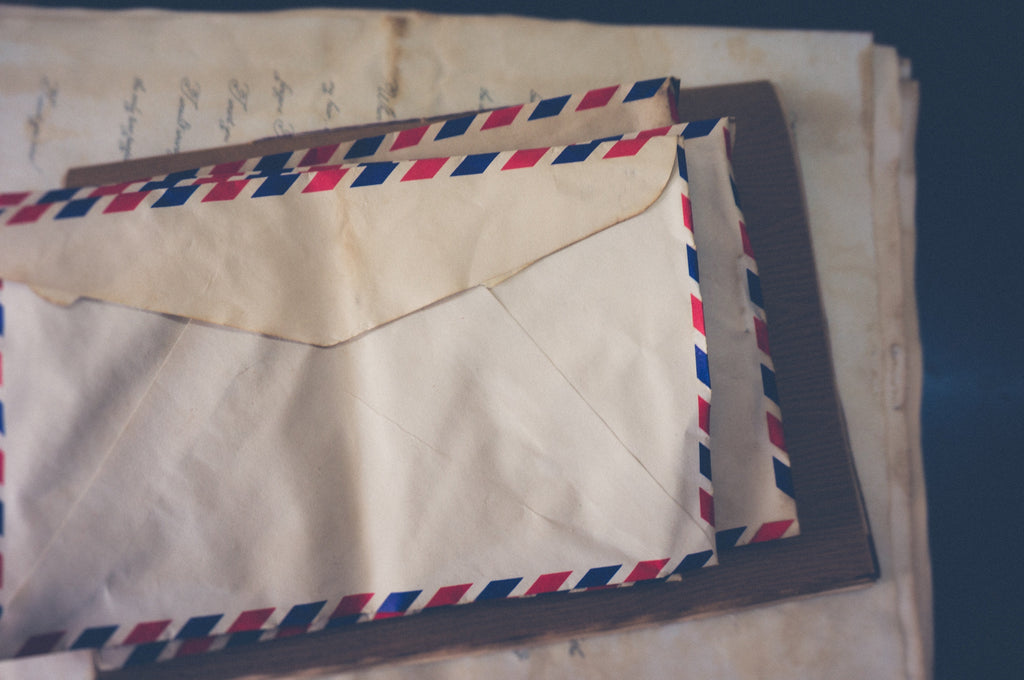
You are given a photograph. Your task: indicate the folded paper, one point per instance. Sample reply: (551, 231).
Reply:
(581, 385)
(556, 483)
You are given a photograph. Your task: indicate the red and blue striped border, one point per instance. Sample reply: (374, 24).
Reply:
(772, 530)
(409, 140)
(158, 640)
(3, 437)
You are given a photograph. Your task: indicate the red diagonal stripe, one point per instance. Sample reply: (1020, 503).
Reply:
(40, 644)
(424, 169)
(597, 98)
(351, 605)
(746, 240)
(448, 595)
(770, 531)
(697, 307)
(761, 330)
(126, 202)
(194, 646)
(548, 583)
(110, 189)
(644, 571)
(775, 431)
(226, 190)
(13, 199)
(29, 213)
(626, 147)
(232, 168)
(501, 117)
(318, 155)
(687, 212)
(410, 137)
(704, 414)
(707, 507)
(525, 158)
(325, 179)
(654, 132)
(250, 620)
(146, 632)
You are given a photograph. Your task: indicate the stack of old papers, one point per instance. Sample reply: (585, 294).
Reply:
(515, 347)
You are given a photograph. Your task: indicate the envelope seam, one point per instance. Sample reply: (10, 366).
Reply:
(598, 415)
(99, 467)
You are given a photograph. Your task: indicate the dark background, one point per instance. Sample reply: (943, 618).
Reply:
(968, 59)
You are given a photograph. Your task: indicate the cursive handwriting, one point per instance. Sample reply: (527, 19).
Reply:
(131, 107)
(46, 101)
(239, 92)
(238, 95)
(281, 89)
(190, 91)
(327, 89)
(485, 98)
(385, 94)
(282, 129)
(188, 94)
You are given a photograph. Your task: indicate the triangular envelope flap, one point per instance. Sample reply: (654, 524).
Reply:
(320, 256)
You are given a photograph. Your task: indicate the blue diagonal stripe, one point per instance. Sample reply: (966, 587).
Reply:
(76, 208)
(754, 288)
(735, 194)
(699, 128)
(681, 162)
(694, 561)
(398, 602)
(94, 638)
(245, 637)
(272, 164)
(455, 127)
(275, 185)
(768, 382)
(496, 590)
(783, 477)
(198, 626)
(57, 195)
(145, 653)
(598, 576)
(549, 107)
(175, 196)
(367, 146)
(691, 259)
(705, 461)
(474, 164)
(374, 173)
(644, 89)
(302, 614)
(703, 374)
(576, 153)
(727, 538)
(169, 181)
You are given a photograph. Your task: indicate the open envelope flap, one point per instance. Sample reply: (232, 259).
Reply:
(332, 472)
(322, 255)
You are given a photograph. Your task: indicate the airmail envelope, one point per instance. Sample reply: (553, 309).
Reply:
(384, 387)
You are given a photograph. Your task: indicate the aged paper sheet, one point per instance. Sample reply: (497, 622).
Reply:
(77, 100)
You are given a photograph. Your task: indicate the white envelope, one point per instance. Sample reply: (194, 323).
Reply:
(550, 492)
(540, 362)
